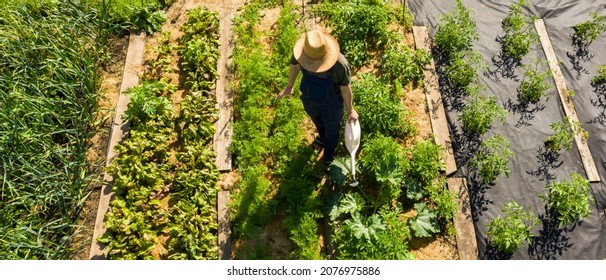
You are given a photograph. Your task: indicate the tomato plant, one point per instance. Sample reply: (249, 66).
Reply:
(492, 159)
(533, 85)
(519, 35)
(481, 112)
(569, 199)
(507, 233)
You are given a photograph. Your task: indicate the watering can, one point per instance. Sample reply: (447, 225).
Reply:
(352, 142)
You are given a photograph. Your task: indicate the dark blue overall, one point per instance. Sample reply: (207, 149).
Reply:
(324, 105)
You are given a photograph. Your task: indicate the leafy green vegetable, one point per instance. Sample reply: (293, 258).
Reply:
(507, 233)
(424, 223)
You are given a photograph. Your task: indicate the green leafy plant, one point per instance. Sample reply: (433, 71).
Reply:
(586, 32)
(563, 136)
(492, 159)
(481, 112)
(519, 35)
(533, 86)
(444, 202)
(359, 26)
(424, 223)
(401, 64)
(462, 68)
(384, 158)
(569, 199)
(374, 95)
(425, 161)
(456, 31)
(600, 78)
(507, 233)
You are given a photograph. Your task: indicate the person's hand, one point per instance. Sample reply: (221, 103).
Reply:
(287, 91)
(352, 116)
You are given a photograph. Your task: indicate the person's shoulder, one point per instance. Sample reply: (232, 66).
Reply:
(342, 65)
(342, 61)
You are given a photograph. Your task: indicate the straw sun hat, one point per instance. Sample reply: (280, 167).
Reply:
(316, 51)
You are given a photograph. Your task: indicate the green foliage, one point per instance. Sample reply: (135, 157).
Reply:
(533, 86)
(383, 158)
(199, 49)
(462, 68)
(519, 35)
(600, 78)
(161, 63)
(492, 159)
(480, 113)
(149, 101)
(48, 112)
(507, 233)
(569, 199)
(157, 199)
(359, 26)
(563, 136)
(456, 31)
(444, 202)
(340, 169)
(401, 64)
(424, 223)
(426, 161)
(586, 32)
(381, 236)
(376, 96)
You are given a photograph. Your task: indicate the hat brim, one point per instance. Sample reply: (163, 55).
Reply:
(317, 65)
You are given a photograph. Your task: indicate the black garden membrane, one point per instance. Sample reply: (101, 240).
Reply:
(528, 125)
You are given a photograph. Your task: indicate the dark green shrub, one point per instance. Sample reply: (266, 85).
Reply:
(481, 112)
(519, 35)
(456, 31)
(401, 64)
(426, 161)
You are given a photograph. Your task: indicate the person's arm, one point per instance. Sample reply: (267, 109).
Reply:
(293, 72)
(347, 94)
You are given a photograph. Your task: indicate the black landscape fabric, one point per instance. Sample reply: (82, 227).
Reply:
(527, 125)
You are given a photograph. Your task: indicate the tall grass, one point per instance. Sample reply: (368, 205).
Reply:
(48, 100)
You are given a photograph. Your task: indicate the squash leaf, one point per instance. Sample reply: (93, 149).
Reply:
(424, 224)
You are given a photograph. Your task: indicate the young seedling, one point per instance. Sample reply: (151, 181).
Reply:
(586, 32)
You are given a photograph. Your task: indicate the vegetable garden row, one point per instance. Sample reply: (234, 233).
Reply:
(165, 179)
(517, 78)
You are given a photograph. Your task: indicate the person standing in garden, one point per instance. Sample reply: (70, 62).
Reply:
(325, 87)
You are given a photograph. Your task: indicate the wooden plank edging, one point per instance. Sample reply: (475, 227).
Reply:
(119, 128)
(223, 220)
(567, 104)
(467, 245)
(223, 128)
(437, 114)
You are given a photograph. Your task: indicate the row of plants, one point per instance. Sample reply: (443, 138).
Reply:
(568, 201)
(164, 177)
(279, 174)
(401, 193)
(49, 86)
